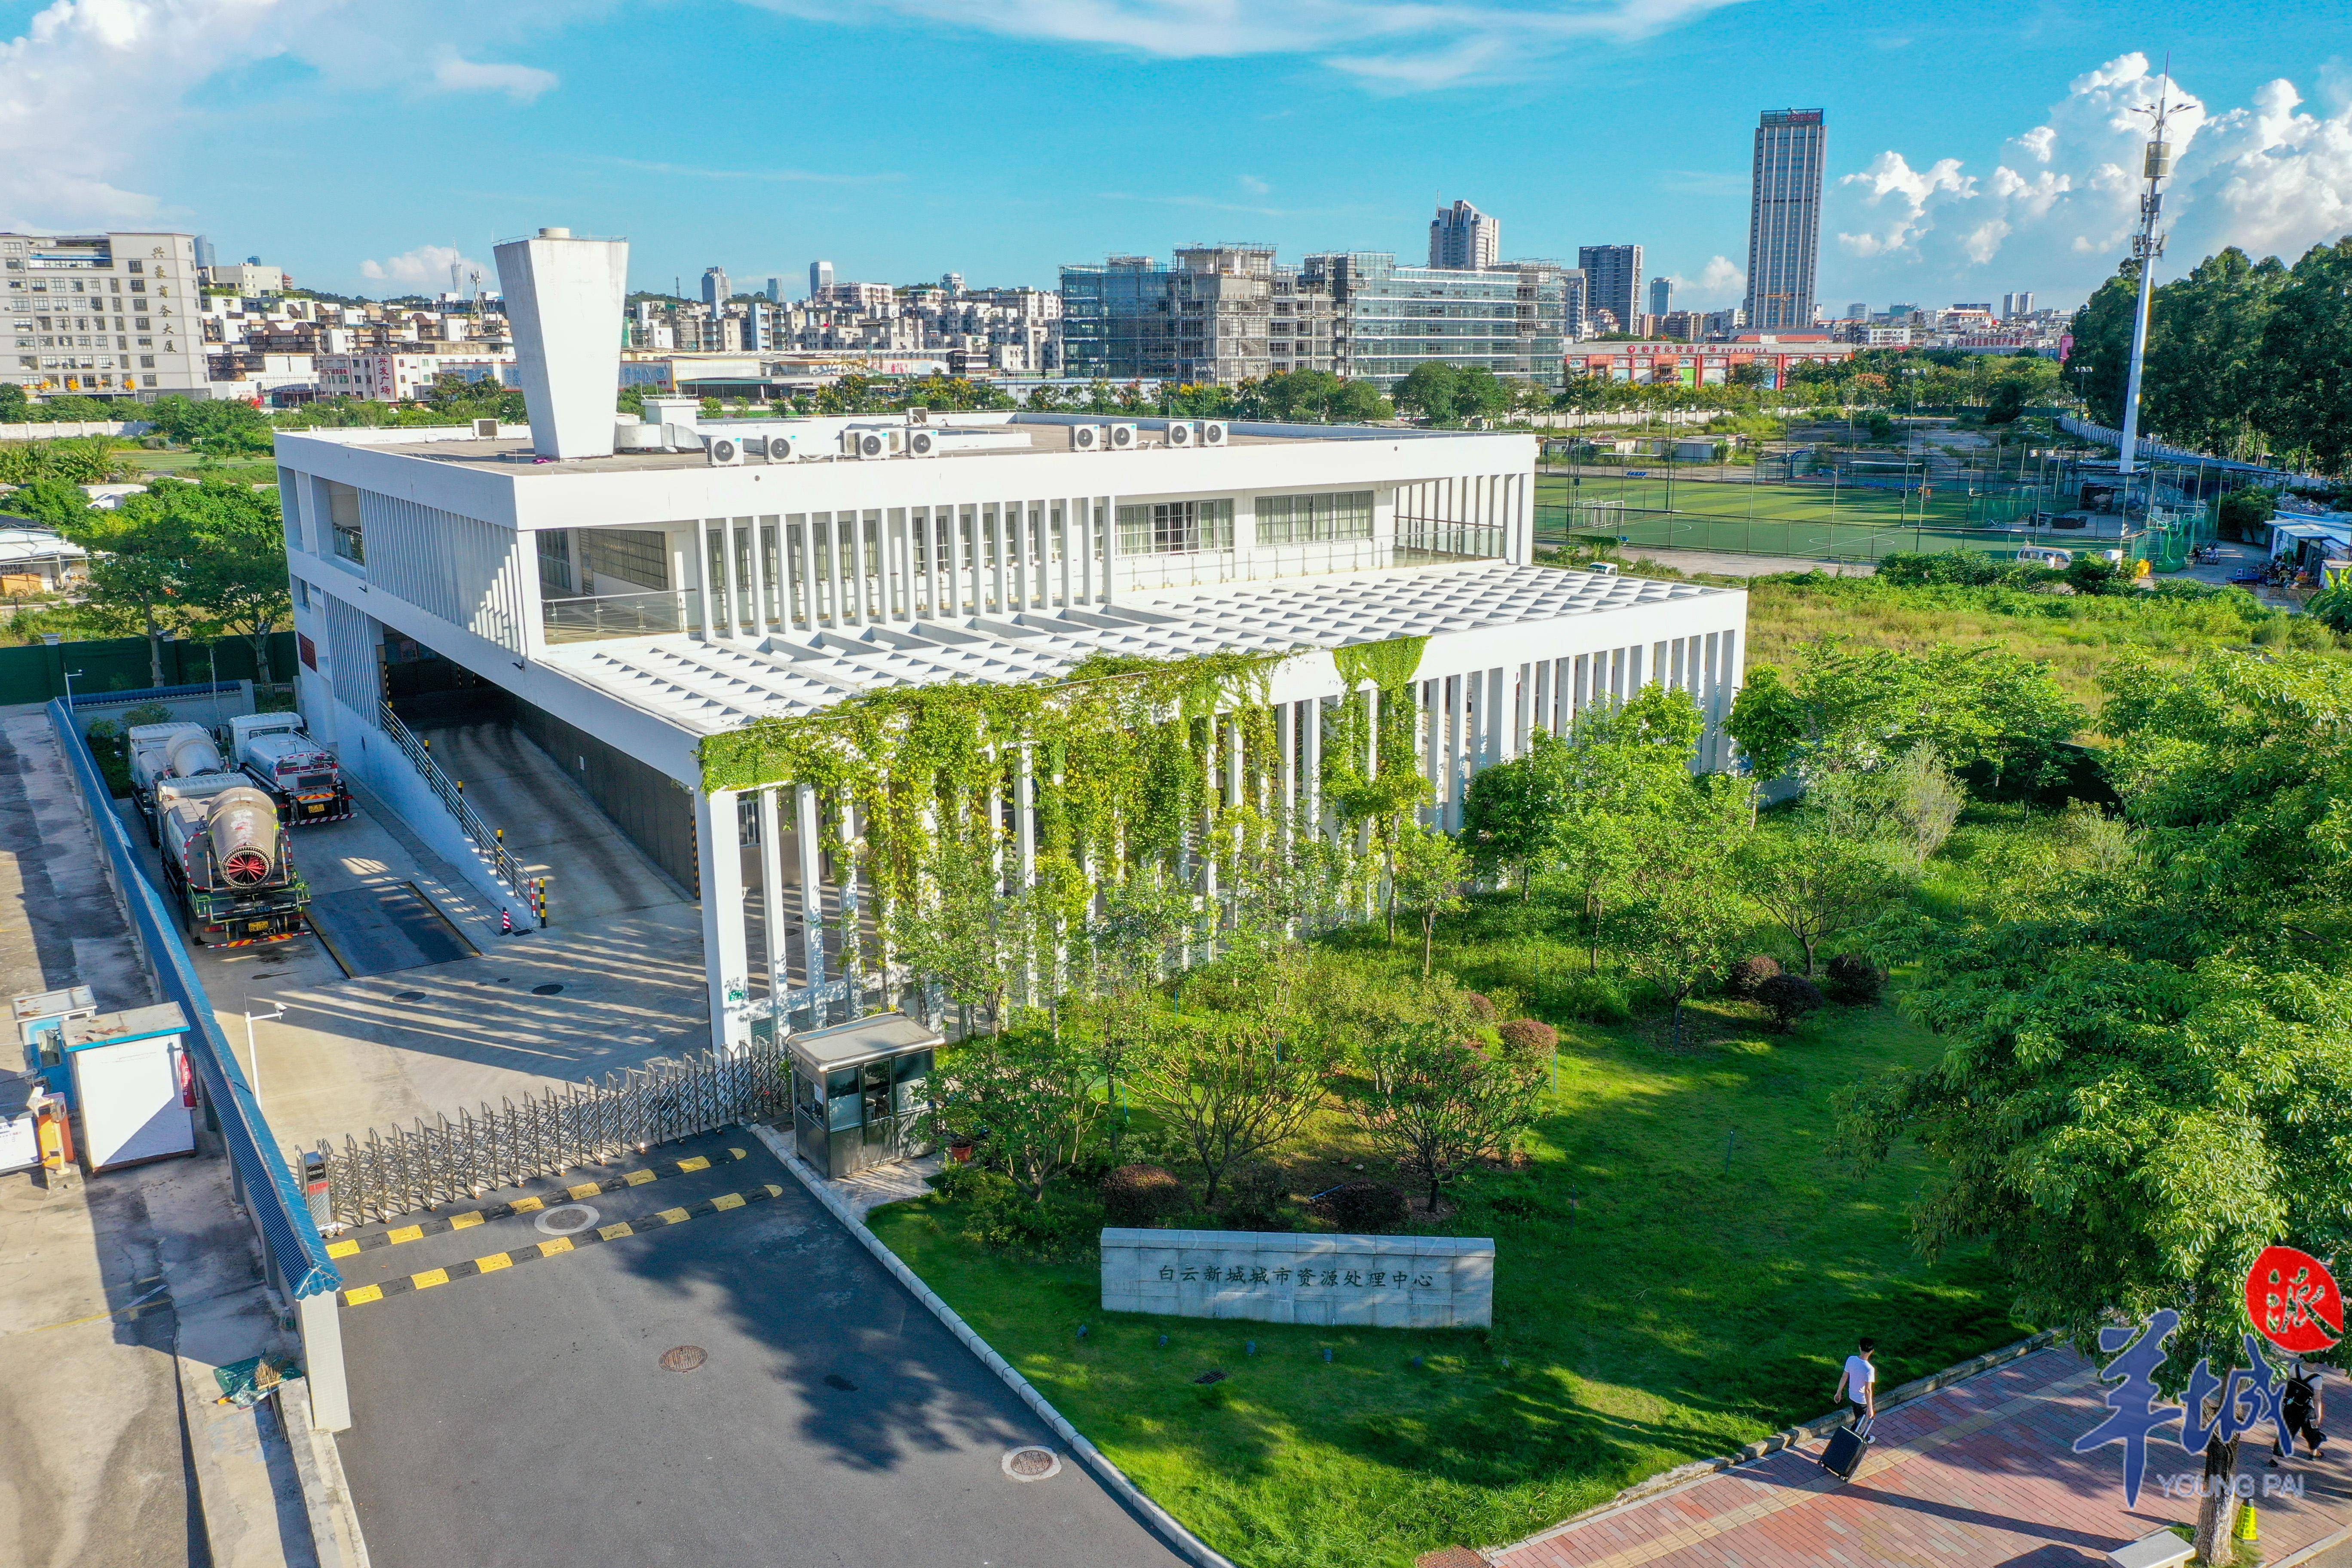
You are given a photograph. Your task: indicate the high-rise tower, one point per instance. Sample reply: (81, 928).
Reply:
(1784, 221)
(1463, 238)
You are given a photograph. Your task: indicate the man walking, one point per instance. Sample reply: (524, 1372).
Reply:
(2300, 1412)
(1858, 1384)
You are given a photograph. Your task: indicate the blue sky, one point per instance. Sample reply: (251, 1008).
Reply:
(1973, 150)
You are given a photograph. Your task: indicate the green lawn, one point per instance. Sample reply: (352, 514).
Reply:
(1683, 1262)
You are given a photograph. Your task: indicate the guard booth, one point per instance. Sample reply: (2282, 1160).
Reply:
(859, 1091)
(133, 1091)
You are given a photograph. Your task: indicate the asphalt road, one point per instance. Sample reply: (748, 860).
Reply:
(523, 1417)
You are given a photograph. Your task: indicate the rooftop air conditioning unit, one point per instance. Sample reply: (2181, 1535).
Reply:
(919, 415)
(723, 451)
(783, 447)
(1212, 433)
(865, 444)
(1123, 438)
(486, 429)
(1183, 433)
(1086, 438)
(922, 443)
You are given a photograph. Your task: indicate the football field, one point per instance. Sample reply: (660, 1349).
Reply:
(1845, 522)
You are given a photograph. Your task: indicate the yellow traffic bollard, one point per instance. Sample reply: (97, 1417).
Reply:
(2245, 1526)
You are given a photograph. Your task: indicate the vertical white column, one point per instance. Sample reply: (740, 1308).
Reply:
(1109, 588)
(733, 614)
(1540, 698)
(1432, 745)
(804, 823)
(702, 577)
(1066, 535)
(758, 564)
(1456, 755)
(1523, 679)
(1496, 740)
(1024, 813)
(1313, 764)
(723, 958)
(779, 954)
(853, 579)
(1285, 715)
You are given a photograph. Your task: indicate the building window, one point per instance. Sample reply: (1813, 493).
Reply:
(343, 512)
(555, 563)
(632, 555)
(1314, 519)
(1175, 527)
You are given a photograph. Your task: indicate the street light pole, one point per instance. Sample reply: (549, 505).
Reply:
(253, 1052)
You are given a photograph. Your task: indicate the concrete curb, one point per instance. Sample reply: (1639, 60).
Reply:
(1190, 1546)
(334, 1521)
(1803, 1431)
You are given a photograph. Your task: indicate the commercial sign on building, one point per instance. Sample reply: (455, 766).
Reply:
(1375, 1281)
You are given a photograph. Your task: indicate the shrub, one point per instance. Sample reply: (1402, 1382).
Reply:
(1854, 980)
(967, 1181)
(1752, 972)
(1253, 1198)
(1527, 1038)
(1364, 1208)
(1139, 1196)
(1481, 1005)
(1787, 997)
(1590, 998)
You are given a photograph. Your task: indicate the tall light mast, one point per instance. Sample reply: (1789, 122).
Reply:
(2147, 245)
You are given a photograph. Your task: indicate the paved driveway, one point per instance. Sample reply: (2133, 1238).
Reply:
(522, 1416)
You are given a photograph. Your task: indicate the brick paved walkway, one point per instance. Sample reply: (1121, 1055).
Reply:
(1978, 1474)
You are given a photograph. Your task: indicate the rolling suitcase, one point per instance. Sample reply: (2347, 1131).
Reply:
(1847, 1445)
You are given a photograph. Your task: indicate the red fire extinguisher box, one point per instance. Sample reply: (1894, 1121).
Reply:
(130, 1085)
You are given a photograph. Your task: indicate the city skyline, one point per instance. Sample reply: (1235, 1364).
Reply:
(1928, 192)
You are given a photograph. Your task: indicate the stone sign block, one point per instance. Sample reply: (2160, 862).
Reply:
(1373, 1281)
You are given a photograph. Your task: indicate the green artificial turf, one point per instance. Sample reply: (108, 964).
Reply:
(1795, 519)
(1683, 1262)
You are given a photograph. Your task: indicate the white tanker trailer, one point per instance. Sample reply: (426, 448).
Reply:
(226, 859)
(161, 752)
(294, 771)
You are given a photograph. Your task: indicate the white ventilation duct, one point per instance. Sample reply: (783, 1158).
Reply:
(564, 300)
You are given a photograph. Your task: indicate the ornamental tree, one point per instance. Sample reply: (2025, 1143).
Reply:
(2149, 1072)
(1431, 1101)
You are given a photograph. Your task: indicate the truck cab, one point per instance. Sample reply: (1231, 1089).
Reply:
(300, 777)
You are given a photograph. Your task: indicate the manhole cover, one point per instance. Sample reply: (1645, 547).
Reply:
(682, 1358)
(551, 989)
(1032, 1463)
(408, 995)
(834, 1380)
(570, 1219)
(1214, 1374)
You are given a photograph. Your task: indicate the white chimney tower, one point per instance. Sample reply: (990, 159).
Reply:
(565, 298)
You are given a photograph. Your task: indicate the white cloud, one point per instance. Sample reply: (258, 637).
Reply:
(522, 83)
(2057, 211)
(425, 269)
(1253, 185)
(1721, 283)
(89, 88)
(1388, 46)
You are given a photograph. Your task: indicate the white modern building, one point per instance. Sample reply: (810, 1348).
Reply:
(628, 589)
(103, 315)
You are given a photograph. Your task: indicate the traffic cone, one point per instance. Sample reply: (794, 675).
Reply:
(2245, 1531)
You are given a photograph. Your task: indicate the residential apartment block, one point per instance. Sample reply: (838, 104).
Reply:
(101, 315)
(1226, 314)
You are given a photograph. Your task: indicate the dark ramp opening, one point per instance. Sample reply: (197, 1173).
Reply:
(378, 930)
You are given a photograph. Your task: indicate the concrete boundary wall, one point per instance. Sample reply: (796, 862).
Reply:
(1114, 1480)
(293, 1256)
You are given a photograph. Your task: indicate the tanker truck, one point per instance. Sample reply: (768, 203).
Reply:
(160, 751)
(299, 776)
(225, 859)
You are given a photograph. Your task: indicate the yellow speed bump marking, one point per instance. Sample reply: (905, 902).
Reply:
(353, 1245)
(361, 1295)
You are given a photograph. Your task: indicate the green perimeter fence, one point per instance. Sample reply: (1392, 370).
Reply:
(1839, 524)
(37, 673)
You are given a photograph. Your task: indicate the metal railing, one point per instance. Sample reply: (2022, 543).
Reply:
(620, 616)
(397, 1170)
(453, 795)
(1436, 536)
